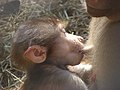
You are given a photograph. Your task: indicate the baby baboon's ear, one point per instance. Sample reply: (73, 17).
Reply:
(36, 53)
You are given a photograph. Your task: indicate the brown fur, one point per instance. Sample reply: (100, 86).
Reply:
(105, 36)
(51, 74)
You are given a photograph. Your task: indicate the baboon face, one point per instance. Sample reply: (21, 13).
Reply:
(67, 49)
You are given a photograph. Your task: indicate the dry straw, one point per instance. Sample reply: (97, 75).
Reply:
(71, 11)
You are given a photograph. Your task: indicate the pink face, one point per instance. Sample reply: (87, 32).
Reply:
(68, 49)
